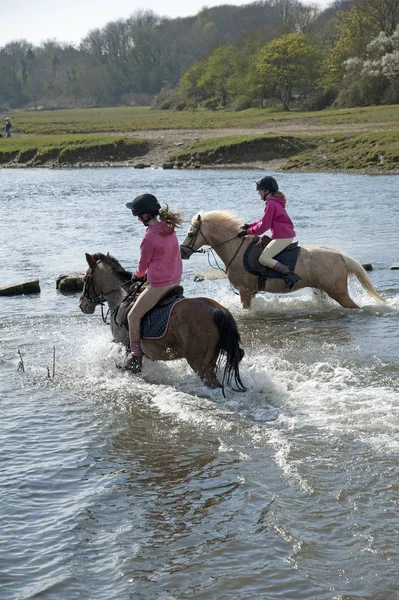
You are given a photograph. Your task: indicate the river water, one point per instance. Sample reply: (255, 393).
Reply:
(117, 487)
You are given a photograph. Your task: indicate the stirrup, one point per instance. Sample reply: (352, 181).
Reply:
(291, 279)
(134, 364)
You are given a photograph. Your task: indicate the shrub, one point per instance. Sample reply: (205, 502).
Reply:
(210, 103)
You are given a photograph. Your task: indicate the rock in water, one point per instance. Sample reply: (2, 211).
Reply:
(31, 286)
(70, 283)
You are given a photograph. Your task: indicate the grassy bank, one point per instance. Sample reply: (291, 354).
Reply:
(69, 149)
(241, 149)
(128, 119)
(368, 152)
(363, 139)
(377, 152)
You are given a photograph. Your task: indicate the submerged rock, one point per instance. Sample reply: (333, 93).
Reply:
(70, 283)
(31, 286)
(209, 274)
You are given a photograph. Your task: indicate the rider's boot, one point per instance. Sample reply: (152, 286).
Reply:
(290, 277)
(135, 361)
(134, 364)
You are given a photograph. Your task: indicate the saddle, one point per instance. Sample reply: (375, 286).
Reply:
(287, 257)
(155, 322)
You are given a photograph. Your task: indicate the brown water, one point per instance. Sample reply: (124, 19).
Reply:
(124, 488)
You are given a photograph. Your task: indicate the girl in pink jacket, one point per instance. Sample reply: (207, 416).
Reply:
(160, 261)
(277, 220)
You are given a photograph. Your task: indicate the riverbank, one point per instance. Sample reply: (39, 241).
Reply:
(354, 152)
(362, 140)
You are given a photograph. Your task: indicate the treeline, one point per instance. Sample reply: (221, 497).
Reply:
(347, 56)
(273, 51)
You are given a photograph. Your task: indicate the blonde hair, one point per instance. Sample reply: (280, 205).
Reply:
(174, 219)
(279, 194)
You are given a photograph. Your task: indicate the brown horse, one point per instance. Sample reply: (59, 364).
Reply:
(319, 267)
(200, 330)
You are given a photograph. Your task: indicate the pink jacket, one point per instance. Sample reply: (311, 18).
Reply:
(274, 218)
(160, 256)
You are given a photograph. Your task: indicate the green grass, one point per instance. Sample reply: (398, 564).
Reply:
(240, 148)
(130, 119)
(369, 152)
(101, 135)
(37, 150)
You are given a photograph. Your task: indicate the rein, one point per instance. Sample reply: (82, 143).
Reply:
(99, 298)
(191, 244)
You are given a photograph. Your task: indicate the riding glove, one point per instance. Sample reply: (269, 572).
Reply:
(243, 231)
(136, 279)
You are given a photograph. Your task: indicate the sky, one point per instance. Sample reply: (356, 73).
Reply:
(71, 20)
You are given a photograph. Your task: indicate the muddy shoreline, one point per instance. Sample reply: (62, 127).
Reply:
(163, 145)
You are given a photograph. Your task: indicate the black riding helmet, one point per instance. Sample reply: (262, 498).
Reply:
(267, 183)
(144, 203)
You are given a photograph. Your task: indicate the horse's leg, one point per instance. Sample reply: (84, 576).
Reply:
(246, 297)
(206, 371)
(344, 300)
(339, 292)
(203, 363)
(193, 332)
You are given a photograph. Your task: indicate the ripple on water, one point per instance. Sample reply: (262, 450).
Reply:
(120, 487)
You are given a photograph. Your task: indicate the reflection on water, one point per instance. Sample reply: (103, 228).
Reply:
(119, 487)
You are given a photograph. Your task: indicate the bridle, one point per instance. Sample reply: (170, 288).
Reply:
(97, 299)
(89, 285)
(193, 239)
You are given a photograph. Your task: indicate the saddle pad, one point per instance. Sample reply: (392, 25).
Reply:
(154, 324)
(252, 264)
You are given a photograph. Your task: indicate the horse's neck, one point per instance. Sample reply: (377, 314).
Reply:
(225, 243)
(115, 292)
(115, 298)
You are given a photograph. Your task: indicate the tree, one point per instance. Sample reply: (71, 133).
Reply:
(383, 13)
(244, 85)
(189, 83)
(375, 78)
(217, 69)
(286, 63)
(354, 31)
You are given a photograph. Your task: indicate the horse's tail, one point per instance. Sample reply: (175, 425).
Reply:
(356, 269)
(229, 345)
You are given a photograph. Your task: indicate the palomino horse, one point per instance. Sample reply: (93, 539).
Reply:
(319, 267)
(200, 330)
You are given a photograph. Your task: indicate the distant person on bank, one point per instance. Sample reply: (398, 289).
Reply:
(8, 127)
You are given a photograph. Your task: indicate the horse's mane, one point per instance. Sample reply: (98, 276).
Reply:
(220, 218)
(114, 264)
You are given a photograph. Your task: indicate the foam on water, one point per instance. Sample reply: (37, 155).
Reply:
(160, 480)
(283, 397)
(304, 300)
(328, 395)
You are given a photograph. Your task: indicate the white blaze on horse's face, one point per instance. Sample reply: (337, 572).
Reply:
(193, 239)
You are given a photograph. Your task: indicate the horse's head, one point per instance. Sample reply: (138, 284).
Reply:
(105, 280)
(193, 240)
(213, 228)
(92, 294)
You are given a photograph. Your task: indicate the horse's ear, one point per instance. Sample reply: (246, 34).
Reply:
(90, 260)
(108, 254)
(199, 218)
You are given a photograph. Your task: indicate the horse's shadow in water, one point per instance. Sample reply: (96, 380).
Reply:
(200, 330)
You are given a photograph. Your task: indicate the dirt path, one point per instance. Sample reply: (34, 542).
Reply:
(165, 142)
